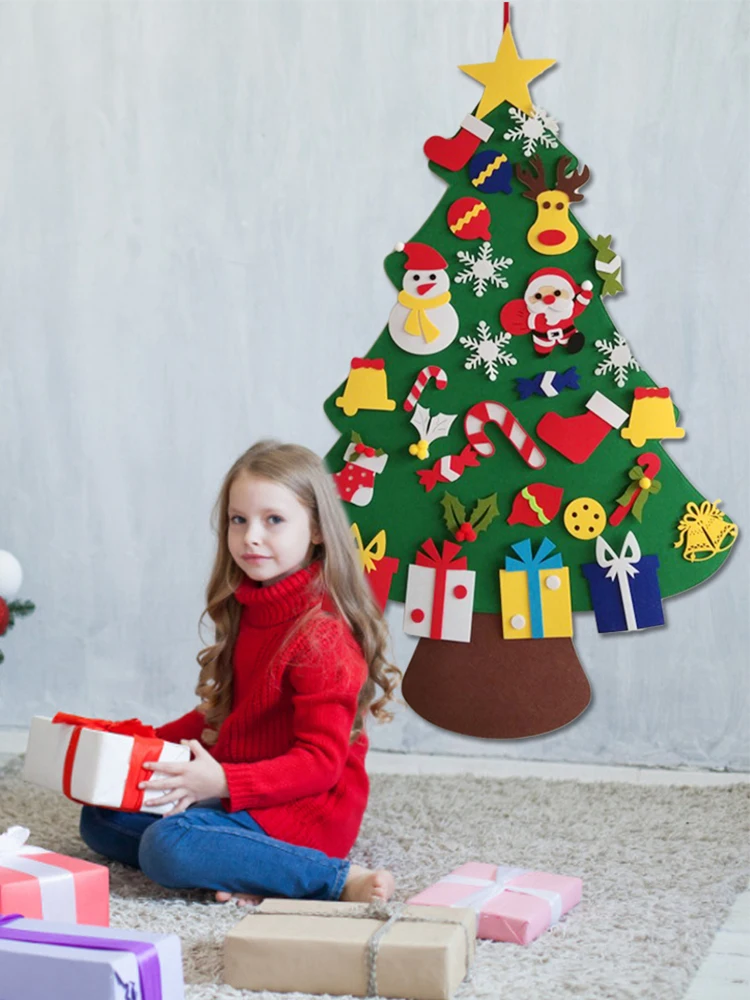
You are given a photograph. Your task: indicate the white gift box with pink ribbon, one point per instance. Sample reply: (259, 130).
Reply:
(43, 885)
(512, 904)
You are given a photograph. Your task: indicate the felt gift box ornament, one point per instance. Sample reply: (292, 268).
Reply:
(379, 568)
(366, 387)
(651, 417)
(439, 594)
(535, 593)
(624, 587)
(705, 531)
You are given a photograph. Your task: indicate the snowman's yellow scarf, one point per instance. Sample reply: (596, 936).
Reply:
(417, 323)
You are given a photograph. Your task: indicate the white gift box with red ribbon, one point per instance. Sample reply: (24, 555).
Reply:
(98, 762)
(439, 600)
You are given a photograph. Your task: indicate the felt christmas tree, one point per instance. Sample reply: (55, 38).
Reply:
(520, 476)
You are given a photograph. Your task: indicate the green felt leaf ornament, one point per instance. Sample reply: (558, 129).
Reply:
(636, 474)
(484, 513)
(454, 512)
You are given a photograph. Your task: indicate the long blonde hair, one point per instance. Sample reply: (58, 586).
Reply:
(301, 471)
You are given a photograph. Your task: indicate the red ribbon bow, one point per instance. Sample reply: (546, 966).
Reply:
(377, 363)
(146, 748)
(643, 393)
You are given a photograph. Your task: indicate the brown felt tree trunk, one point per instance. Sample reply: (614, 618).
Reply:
(496, 688)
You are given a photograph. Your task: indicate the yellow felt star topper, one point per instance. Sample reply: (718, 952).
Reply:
(507, 78)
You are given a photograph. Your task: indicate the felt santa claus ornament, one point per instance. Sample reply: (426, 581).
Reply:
(548, 311)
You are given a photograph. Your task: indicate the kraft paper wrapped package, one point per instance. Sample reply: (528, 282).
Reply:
(96, 761)
(48, 886)
(44, 960)
(376, 949)
(512, 904)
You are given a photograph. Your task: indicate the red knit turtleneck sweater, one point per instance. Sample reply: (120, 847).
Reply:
(285, 745)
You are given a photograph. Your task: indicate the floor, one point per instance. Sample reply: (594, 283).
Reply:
(725, 974)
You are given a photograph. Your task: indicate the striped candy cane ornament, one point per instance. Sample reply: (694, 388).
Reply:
(491, 412)
(428, 372)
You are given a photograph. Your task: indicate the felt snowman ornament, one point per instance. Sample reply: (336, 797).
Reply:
(423, 321)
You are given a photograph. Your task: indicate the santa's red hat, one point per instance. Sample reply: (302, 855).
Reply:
(554, 276)
(421, 257)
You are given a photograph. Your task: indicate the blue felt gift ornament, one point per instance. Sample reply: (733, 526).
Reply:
(624, 588)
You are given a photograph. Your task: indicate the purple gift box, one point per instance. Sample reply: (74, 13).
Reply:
(624, 587)
(40, 959)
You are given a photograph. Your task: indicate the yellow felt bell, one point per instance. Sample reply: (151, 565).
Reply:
(366, 387)
(651, 417)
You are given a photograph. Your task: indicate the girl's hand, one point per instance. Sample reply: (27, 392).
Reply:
(189, 780)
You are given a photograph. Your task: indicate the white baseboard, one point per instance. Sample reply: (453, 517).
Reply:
(13, 741)
(393, 762)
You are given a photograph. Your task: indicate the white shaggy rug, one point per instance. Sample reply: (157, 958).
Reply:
(661, 867)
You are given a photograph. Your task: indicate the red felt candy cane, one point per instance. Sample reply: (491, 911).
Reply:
(491, 412)
(428, 372)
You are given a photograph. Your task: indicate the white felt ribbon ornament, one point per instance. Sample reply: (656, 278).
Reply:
(622, 567)
(56, 885)
(490, 888)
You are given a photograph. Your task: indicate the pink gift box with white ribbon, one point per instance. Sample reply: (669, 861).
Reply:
(512, 904)
(43, 885)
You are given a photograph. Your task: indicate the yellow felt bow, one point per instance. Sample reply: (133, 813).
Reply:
(373, 553)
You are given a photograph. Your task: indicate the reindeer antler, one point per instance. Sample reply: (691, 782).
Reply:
(569, 184)
(535, 182)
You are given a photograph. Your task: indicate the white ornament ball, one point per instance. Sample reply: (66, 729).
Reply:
(11, 576)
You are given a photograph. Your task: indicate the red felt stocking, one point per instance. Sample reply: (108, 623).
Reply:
(577, 438)
(455, 153)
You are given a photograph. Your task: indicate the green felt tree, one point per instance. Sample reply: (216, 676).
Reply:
(543, 444)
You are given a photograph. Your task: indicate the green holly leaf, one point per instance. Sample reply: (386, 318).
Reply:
(454, 512)
(484, 513)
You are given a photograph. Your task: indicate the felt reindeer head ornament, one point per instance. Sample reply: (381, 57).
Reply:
(552, 231)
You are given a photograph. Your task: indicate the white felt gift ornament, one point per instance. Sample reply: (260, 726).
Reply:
(439, 594)
(98, 762)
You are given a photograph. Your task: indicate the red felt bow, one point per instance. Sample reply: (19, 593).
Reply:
(364, 449)
(642, 393)
(431, 557)
(129, 727)
(377, 363)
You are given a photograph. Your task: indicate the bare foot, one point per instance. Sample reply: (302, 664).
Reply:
(364, 885)
(242, 898)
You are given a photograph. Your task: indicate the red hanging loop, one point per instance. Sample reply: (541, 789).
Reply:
(506, 14)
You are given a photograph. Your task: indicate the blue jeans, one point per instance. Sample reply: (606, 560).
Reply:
(208, 848)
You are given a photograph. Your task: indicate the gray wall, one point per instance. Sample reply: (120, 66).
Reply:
(195, 202)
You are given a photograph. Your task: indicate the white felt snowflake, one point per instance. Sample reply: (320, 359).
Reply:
(619, 359)
(482, 267)
(487, 350)
(539, 128)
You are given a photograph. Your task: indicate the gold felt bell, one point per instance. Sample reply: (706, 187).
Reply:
(651, 417)
(366, 387)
